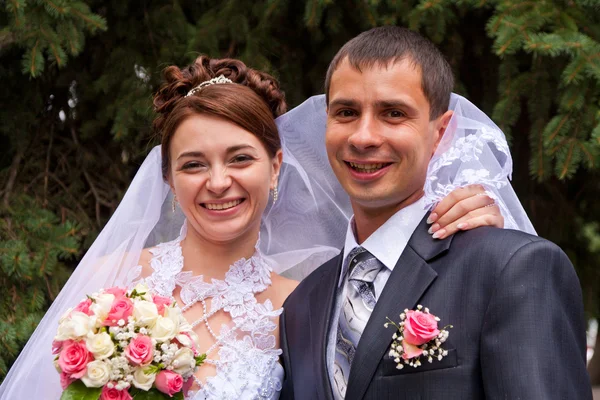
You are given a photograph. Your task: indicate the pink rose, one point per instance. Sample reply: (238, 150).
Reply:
(169, 382)
(419, 328)
(121, 308)
(410, 351)
(65, 381)
(57, 345)
(161, 302)
(74, 358)
(114, 394)
(187, 385)
(84, 307)
(116, 291)
(139, 351)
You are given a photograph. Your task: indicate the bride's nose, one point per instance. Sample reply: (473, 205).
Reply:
(219, 180)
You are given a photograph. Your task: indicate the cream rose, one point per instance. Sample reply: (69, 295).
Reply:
(145, 313)
(102, 305)
(75, 327)
(97, 374)
(184, 362)
(142, 380)
(100, 345)
(164, 329)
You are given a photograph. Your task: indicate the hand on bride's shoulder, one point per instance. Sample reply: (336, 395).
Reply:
(280, 289)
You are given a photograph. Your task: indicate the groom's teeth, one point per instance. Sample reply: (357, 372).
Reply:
(222, 206)
(366, 167)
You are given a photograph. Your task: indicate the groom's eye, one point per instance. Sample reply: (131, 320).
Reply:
(395, 114)
(345, 113)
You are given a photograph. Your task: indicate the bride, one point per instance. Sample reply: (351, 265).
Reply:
(231, 199)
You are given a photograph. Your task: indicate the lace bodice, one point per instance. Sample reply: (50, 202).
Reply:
(247, 366)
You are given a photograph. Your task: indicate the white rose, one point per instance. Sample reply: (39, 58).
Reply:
(100, 345)
(102, 305)
(142, 380)
(184, 362)
(184, 340)
(145, 313)
(96, 375)
(143, 290)
(164, 329)
(76, 327)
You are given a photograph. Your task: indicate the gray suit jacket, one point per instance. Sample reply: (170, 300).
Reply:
(515, 303)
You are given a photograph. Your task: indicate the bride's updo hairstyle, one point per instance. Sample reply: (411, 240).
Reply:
(252, 101)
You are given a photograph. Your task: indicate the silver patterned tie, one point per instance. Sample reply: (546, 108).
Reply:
(357, 306)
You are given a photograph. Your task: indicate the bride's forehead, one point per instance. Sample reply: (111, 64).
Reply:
(211, 133)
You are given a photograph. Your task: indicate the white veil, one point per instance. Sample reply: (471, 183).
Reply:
(305, 227)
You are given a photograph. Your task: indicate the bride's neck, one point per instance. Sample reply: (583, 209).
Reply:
(212, 259)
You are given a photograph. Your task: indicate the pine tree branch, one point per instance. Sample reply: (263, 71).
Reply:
(7, 38)
(45, 202)
(12, 176)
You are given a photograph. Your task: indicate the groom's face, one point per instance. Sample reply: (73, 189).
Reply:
(379, 137)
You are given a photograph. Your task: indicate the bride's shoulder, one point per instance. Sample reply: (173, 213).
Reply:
(280, 289)
(145, 262)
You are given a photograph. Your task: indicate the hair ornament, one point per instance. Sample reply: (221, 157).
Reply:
(214, 81)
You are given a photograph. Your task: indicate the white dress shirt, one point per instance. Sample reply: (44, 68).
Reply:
(387, 244)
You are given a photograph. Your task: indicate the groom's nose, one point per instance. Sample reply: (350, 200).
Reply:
(365, 135)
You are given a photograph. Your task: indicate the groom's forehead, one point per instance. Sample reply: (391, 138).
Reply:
(380, 84)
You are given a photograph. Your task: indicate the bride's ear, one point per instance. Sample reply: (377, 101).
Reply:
(276, 168)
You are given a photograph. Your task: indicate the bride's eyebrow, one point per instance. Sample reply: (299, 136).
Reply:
(199, 154)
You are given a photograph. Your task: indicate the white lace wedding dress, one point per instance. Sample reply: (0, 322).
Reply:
(247, 366)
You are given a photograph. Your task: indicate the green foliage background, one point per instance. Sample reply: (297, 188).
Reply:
(75, 110)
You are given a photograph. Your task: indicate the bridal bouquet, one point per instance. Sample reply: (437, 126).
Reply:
(121, 344)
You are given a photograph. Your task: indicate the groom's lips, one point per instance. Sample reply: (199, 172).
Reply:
(371, 174)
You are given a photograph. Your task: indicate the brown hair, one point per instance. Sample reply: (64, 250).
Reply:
(252, 103)
(389, 44)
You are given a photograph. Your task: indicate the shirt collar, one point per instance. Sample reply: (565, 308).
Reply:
(389, 241)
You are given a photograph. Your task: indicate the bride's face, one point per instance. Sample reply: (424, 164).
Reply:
(221, 175)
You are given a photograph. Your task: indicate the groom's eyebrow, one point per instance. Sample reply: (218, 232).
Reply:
(343, 103)
(395, 104)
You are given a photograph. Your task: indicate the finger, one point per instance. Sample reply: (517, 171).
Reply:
(463, 207)
(487, 216)
(453, 198)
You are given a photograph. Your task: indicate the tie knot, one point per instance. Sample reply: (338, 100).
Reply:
(364, 266)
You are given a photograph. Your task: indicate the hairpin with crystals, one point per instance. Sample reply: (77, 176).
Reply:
(214, 81)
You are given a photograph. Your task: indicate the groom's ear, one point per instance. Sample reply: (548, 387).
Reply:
(440, 128)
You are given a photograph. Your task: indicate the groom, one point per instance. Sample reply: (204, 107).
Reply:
(513, 299)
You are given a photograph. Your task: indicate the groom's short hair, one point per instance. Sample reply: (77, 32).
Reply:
(387, 44)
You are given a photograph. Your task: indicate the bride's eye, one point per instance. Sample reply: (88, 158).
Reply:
(192, 165)
(241, 159)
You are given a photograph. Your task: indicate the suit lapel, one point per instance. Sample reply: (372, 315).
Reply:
(321, 300)
(410, 278)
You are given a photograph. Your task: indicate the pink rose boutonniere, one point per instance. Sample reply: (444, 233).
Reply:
(417, 335)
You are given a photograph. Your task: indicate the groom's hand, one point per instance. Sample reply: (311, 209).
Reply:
(464, 208)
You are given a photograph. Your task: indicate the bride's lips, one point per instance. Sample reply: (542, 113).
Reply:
(367, 170)
(223, 207)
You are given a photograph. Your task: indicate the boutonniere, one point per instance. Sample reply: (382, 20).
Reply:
(417, 335)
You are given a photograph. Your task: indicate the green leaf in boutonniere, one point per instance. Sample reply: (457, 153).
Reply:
(78, 391)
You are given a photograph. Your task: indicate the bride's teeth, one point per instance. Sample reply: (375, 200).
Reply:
(222, 206)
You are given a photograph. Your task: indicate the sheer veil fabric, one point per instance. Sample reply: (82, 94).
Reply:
(304, 228)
